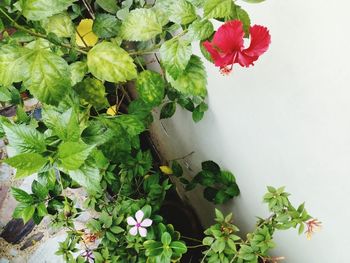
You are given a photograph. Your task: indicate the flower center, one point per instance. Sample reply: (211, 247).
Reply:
(138, 224)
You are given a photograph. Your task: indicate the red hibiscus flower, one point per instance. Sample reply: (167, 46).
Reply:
(227, 47)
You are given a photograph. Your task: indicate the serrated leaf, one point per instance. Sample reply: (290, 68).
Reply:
(200, 30)
(78, 70)
(193, 80)
(150, 86)
(73, 154)
(40, 9)
(65, 125)
(197, 115)
(24, 139)
(106, 61)
(60, 24)
(39, 190)
(141, 25)
(87, 176)
(13, 64)
(106, 25)
(26, 163)
(217, 8)
(41, 210)
(242, 15)
(108, 5)
(28, 213)
(175, 55)
(182, 12)
(48, 76)
(168, 110)
(21, 196)
(93, 92)
(131, 124)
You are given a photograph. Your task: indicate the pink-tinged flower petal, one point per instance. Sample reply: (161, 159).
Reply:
(260, 40)
(133, 231)
(131, 221)
(229, 37)
(139, 216)
(212, 51)
(220, 60)
(146, 223)
(143, 231)
(245, 60)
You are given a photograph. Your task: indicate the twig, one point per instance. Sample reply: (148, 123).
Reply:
(89, 9)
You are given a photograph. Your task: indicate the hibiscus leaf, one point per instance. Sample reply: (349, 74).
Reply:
(242, 15)
(175, 55)
(217, 8)
(254, 1)
(200, 30)
(141, 25)
(106, 25)
(108, 5)
(92, 91)
(40, 9)
(107, 61)
(193, 80)
(73, 154)
(182, 12)
(13, 63)
(87, 176)
(150, 86)
(26, 163)
(24, 139)
(78, 70)
(60, 24)
(48, 76)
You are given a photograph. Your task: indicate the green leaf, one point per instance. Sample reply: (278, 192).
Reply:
(61, 25)
(153, 248)
(78, 70)
(28, 213)
(5, 94)
(200, 30)
(193, 80)
(93, 92)
(106, 25)
(166, 238)
(106, 219)
(242, 15)
(21, 196)
(106, 61)
(48, 76)
(178, 247)
(87, 176)
(182, 12)
(24, 139)
(177, 169)
(41, 210)
(131, 124)
(39, 9)
(13, 64)
(117, 229)
(208, 241)
(39, 190)
(150, 86)
(65, 125)
(141, 25)
(73, 154)
(197, 115)
(168, 110)
(108, 5)
(2, 26)
(26, 163)
(217, 8)
(175, 55)
(211, 167)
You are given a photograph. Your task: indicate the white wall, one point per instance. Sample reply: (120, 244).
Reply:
(285, 121)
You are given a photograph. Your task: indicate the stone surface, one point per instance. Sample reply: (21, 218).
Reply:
(3, 194)
(46, 251)
(4, 260)
(32, 240)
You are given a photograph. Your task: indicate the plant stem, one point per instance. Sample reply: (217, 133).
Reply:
(35, 34)
(196, 246)
(192, 239)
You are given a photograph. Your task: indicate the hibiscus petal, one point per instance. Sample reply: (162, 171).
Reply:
(139, 216)
(133, 231)
(143, 231)
(219, 60)
(229, 37)
(245, 60)
(147, 222)
(131, 221)
(260, 40)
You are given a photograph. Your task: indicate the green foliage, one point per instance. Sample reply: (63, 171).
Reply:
(141, 25)
(89, 133)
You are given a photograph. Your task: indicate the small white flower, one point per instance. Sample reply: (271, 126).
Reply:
(139, 225)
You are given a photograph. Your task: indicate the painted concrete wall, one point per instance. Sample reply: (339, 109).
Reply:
(285, 121)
